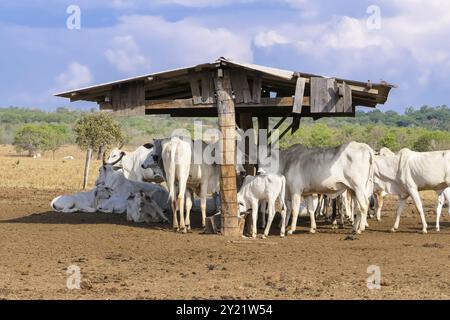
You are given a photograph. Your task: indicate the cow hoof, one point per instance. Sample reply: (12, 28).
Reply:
(264, 236)
(393, 230)
(282, 235)
(334, 227)
(312, 231)
(437, 229)
(253, 236)
(424, 231)
(290, 232)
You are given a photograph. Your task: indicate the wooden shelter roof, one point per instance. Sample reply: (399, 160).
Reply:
(174, 91)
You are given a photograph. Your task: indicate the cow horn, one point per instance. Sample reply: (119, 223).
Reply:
(118, 160)
(104, 158)
(121, 145)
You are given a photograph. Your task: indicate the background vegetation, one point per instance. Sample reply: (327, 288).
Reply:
(424, 129)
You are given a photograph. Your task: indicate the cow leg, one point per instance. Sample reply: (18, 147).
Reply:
(254, 218)
(262, 212)
(180, 204)
(379, 205)
(334, 213)
(174, 216)
(418, 202)
(287, 214)
(441, 202)
(349, 206)
(401, 206)
(188, 207)
(361, 216)
(296, 199)
(271, 209)
(203, 192)
(312, 216)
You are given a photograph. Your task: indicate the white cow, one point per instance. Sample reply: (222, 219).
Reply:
(142, 207)
(86, 201)
(268, 188)
(121, 188)
(183, 171)
(131, 164)
(175, 157)
(310, 171)
(444, 196)
(408, 173)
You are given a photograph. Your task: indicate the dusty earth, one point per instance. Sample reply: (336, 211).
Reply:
(120, 260)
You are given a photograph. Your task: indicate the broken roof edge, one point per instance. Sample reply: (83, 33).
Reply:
(283, 74)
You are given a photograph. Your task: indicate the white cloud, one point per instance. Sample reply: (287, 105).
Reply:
(76, 75)
(183, 42)
(270, 38)
(126, 56)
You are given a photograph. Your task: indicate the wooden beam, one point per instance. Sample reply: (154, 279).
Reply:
(226, 120)
(195, 88)
(188, 103)
(299, 94)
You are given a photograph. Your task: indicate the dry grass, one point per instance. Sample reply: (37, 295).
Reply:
(20, 171)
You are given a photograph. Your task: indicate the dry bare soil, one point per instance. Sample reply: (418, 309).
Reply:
(121, 260)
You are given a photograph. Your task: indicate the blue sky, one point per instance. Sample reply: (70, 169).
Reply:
(123, 38)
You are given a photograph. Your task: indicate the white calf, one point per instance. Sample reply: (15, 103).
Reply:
(142, 208)
(269, 188)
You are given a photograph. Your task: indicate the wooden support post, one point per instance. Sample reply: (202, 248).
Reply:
(226, 119)
(263, 124)
(86, 167)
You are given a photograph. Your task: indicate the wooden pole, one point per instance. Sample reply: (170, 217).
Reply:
(226, 119)
(86, 167)
(246, 123)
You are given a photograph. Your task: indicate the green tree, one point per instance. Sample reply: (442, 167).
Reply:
(96, 130)
(29, 138)
(54, 138)
(389, 140)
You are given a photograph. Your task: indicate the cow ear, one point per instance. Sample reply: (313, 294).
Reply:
(148, 145)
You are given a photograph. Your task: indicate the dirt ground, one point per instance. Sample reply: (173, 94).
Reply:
(120, 260)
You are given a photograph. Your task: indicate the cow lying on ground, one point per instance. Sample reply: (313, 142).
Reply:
(121, 188)
(142, 207)
(265, 187)
(85, 201)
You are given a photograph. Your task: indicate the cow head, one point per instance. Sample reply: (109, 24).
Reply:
(134, 207)
(115, 157)
(157, 150)
(242, 206)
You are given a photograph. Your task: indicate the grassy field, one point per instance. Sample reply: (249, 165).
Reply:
(20, 171)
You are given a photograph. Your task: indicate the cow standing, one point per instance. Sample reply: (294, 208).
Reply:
(267, 188)
(310, 171)
(409, 172)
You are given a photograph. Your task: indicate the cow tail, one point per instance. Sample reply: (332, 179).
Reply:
(370, 180)
(283, 193)
(172, 173)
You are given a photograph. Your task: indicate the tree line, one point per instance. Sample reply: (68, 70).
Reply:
(423, 129)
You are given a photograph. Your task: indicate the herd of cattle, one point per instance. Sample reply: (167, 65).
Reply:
(352, 174)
